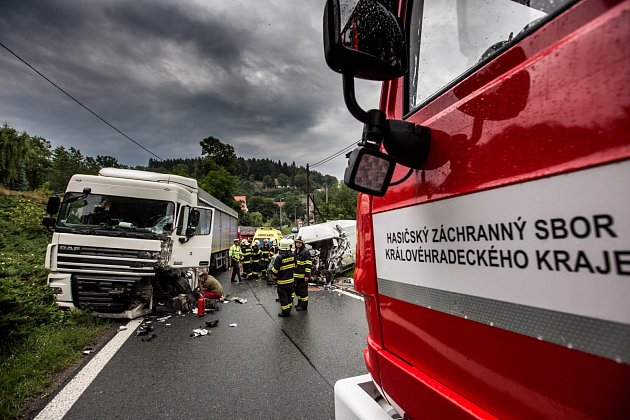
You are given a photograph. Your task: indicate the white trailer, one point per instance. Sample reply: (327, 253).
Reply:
(125, 240)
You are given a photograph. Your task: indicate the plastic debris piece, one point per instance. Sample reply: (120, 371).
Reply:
(168, 325)
(233, 325)
(199, 332)
(226, 301)
(212, 324)
(87, 351)
(122, 328)
(164, 318)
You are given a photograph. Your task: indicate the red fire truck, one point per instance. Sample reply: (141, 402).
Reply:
(494, 220)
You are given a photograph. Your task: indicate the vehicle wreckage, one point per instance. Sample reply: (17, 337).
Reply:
(332, 246)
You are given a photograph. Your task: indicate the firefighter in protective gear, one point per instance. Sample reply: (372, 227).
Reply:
(235, 257)
(256, 254)
(303, 265)
(265, 255)
(282, 272)
(246, 252)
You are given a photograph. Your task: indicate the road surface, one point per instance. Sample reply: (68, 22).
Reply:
(264, 368)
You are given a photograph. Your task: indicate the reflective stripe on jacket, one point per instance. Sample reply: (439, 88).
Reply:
(283, 268)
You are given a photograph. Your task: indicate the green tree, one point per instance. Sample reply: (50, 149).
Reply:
(13, 149)
(263, 205)
(283, 180)
(268, 181)
(221, 184)
(181, 170)
(109, 162)
(222, 154)
(65, 163)
(299, 181)
(342, 203)
(37, 160)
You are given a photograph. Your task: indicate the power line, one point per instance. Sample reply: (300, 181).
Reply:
(334, 155)
(77, 101)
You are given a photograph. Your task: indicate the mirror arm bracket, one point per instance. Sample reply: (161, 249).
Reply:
(374, 120)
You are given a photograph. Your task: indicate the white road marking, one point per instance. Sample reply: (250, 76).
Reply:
(66, 398)
(352, 295)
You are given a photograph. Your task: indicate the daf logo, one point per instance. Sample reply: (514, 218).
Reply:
(69, 248)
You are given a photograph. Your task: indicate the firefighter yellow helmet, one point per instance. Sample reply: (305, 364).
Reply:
(284, 244)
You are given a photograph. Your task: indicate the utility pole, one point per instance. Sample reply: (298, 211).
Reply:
(308, 196)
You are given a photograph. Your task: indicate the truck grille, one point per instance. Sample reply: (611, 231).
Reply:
(105, 293)
(111, 260)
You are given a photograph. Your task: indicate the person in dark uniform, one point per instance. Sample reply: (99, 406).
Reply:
(303, 265)
(246, 255)
(265, 255)
(256, 254)
(282, 272)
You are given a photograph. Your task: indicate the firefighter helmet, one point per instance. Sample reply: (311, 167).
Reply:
(300, 240)
(244, 242)
(284, 244)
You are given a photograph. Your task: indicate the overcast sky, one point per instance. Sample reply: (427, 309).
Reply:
(170, 73)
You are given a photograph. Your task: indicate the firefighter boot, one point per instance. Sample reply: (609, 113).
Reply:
(302, 306)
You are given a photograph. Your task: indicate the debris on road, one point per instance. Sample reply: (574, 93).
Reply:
(233, 325)
(88, 350)
(122, 328)
(164, 318)
(144, 330)
(238, 299)
(149, 338)
(212, 324)
(199, 332)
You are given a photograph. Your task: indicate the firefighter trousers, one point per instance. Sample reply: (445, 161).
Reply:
(284, 296)
(301, 291)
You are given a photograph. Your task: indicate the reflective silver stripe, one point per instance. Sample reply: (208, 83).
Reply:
(607, 339)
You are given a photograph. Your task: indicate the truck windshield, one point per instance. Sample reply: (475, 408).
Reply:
(113, 212)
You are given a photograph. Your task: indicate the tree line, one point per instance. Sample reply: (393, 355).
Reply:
(30, 163)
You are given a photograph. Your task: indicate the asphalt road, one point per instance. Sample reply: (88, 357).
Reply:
(264, 368)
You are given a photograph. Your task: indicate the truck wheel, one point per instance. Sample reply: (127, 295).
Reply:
(328, 277)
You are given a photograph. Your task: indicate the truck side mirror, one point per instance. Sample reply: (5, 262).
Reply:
(364, 39)
(193, 219)
(52, 207)
(49, 222)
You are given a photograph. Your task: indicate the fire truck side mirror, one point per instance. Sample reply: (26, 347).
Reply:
(364, 39)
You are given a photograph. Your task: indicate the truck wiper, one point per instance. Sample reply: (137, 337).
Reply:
(84, 229)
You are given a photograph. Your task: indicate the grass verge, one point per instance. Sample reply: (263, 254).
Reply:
(37, 339)
(32, 364)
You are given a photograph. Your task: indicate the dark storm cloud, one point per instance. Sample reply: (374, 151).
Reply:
(172, 73)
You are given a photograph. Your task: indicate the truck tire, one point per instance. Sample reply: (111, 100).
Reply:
(327, 277)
